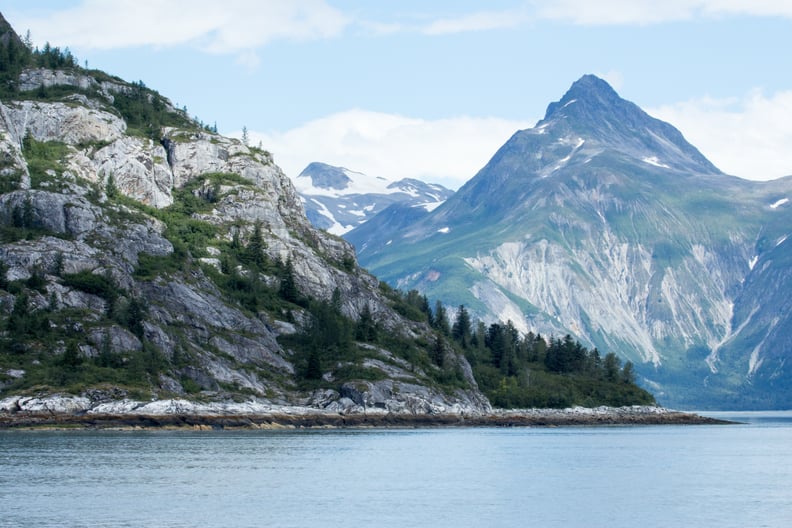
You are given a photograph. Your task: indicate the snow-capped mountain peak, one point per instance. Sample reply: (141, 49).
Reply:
(338, 199)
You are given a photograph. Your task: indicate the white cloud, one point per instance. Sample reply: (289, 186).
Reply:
(448, 151)
(607, 12)
(747, 137)
(480, 21)
(231, 26)
(238, 26)
(617, 12)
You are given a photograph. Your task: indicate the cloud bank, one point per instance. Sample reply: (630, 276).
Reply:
(240, 26)
(448, 151)
(747, 137)
(231, 26)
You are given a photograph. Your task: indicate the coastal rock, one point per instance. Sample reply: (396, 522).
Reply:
(100, 409)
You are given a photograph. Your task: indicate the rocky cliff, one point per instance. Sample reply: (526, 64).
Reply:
(145, 257)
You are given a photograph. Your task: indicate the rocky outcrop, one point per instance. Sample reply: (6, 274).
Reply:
(139, 168)
(12, 164)
(103, 411)
(114, 291)
(104, 87)
(71, 123)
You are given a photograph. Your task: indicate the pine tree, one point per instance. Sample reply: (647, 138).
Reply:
(366, 328)
(438, 351)
(441, 319)
(611, 366)
(313, 370)
(461, 329)
(288, 287)
(254, 252)
(71, 358)
(628, 373)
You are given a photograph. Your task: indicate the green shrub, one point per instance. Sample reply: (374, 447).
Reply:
(102, 285)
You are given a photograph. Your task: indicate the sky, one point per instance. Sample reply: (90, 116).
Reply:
(431, 90)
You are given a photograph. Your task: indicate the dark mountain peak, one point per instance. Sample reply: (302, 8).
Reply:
(592, 110)
(589, 90)
(326, 176)
(592, 103)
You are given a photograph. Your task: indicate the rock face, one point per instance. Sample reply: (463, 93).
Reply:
(63, 122)
(604, 223)
(127, 252)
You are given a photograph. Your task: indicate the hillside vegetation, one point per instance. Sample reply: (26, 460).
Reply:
(163, 260)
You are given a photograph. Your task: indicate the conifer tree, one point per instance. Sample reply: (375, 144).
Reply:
(441, 319)
(461, 329)
(288, 287)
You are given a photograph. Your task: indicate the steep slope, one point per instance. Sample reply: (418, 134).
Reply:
(338, 199)
(142, 256)
(603, 222)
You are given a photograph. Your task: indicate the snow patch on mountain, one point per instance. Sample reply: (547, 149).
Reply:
(430, 206)
(779, 203)
(579, 142)
(653, 160)
(357, 183)
(335, 227)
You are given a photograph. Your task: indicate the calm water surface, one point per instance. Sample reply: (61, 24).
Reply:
(656, 476)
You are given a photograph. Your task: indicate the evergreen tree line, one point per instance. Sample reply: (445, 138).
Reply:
(144, 109)
(16, 56)
(516, 370)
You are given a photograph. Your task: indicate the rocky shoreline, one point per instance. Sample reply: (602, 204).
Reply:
(79, 413)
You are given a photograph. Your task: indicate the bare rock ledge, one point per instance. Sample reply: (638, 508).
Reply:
(74, 411)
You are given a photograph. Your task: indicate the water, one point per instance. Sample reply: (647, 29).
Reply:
(656, 476)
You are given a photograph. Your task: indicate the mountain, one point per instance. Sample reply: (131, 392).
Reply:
(604, 223)
(144, 257)
(338, 199)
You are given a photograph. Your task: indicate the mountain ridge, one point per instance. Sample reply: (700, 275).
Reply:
(606, 223)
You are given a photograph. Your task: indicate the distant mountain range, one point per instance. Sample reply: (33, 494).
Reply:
(605, 223)
(337, 199)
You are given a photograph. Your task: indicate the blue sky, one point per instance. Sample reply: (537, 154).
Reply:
(432, 89)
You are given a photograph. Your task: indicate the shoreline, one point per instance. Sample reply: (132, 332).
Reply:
(306, 418)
